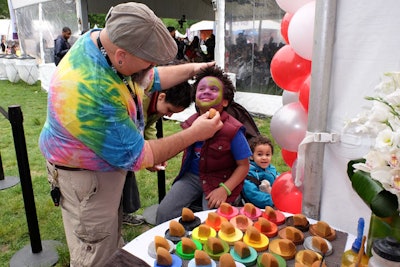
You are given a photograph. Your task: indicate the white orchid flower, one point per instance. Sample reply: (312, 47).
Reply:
(385, 140)
(382, 122)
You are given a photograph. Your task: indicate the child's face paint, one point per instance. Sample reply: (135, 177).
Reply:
(209, 94)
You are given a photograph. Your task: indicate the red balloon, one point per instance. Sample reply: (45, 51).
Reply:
(289, 70)
(304, 93)
(289, 156)
(285, 25)
(285, 195)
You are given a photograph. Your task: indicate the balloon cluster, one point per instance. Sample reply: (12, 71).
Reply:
(291, 70)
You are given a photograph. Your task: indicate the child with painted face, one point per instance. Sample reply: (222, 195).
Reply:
(214, 169)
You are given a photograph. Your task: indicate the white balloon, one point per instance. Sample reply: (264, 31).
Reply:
(301, 31)
(289, 97)
(289, 125)
(291, 6)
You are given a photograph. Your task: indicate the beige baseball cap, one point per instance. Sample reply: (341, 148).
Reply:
(135, 28)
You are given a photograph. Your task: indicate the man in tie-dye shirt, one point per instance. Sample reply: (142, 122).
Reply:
(93, 133)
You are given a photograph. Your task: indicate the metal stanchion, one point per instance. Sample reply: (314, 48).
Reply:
(150, 212)
(6, 181)
(38, 253)
(161, 173)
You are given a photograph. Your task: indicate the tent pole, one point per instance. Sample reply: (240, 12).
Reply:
(324, 30)
(220, 33)
(41, 34)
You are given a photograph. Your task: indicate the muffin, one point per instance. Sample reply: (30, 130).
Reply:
(176, 229)
(160, 241)
(215, 245)
(320, 244)
(163, 257)
(188, 245)
(324, 230)
(229, 233)
(268, 260)
(293, 234)
(188, 220)
(226, 260)
(242, 249)
(201, 258)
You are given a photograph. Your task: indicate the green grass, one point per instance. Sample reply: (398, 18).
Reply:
(14, 234)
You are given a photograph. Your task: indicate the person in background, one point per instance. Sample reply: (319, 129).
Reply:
(93, 133)
(210, 44)
(13, 48)
(215, 168)
(180, 44)
(193, 51)
(61, 45)
(155, 106)
(165, 103)
(3, 44)
(262, 174)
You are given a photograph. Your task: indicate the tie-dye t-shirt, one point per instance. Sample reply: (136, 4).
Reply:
(92, 119)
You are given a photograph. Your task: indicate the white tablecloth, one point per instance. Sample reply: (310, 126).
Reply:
(139, 245)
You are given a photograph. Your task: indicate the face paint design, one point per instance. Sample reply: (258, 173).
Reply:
(209, 93)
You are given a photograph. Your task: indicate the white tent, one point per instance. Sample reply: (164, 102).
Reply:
(39, 23)
(203, 25)
(349, 62)
(5, 28)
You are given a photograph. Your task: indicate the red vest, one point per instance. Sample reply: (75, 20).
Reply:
(216, 160)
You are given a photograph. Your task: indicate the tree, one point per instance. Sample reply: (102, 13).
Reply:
(4, 13)
(97, 19)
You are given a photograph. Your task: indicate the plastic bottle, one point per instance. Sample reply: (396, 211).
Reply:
(349, 257)
(385, 252)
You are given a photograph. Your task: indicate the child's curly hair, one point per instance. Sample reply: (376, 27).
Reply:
(217, 72)
(260, 140)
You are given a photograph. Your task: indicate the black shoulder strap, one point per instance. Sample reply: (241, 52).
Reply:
(253, 180)
(241, 114)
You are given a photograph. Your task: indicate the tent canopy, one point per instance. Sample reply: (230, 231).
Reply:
(203, 25)
(5, 28)
(194, 9)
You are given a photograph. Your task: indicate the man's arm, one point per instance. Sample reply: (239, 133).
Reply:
(173, 75)
(202, 129)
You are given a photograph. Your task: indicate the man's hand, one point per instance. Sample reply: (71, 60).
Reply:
(201, 66)
(159, 167)
(204, 127)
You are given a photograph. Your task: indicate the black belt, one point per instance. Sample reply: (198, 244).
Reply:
(65, 168)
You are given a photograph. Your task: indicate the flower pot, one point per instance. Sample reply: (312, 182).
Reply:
(381, 228)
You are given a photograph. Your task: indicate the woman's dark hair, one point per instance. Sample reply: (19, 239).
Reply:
(217, 72)
(180, 95)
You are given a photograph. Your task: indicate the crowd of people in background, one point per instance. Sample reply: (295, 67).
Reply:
(250, 61)
(190, 50)
(9, 47)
